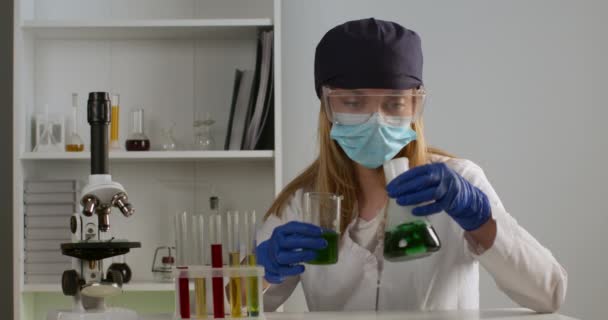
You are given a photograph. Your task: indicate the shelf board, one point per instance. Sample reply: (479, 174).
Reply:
(155, 155)
(136, 286)
(146, 29)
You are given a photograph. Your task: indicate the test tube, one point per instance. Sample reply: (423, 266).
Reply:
(114, 122)
(235, 288)
(217, 283)
(181, 243)
(253, 304)
(199, 245)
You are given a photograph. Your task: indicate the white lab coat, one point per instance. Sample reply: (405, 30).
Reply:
(449, 279)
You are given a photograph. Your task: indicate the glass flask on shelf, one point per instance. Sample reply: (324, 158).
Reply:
(137, 140)
(74, 142)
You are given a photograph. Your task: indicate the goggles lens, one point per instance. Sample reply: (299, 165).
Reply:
(352, 107)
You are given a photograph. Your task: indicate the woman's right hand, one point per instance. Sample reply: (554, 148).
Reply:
(289, 246)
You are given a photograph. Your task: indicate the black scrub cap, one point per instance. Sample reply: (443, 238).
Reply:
(368, 53)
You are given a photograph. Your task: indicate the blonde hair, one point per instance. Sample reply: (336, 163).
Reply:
(334, 172)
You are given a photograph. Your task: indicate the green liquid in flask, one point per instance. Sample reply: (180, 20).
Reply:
(410, 240)
(329, 255)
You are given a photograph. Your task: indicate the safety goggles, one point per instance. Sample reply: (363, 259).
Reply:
(357, 106)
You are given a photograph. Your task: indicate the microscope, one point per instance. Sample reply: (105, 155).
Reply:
(87, 282)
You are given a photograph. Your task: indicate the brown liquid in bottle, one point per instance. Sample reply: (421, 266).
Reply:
(138, 144)
(74, 147)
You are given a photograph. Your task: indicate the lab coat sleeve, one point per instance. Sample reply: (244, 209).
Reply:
(277, 294)
(522, 268)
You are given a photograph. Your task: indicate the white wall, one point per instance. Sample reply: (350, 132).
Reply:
(516, 86)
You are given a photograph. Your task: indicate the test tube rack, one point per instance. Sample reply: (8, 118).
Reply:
(197, 300)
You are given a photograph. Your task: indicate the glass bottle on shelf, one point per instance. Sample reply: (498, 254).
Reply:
(74, 142)
(137, 140)
(115, 122)
(203, 140)
(168, 142)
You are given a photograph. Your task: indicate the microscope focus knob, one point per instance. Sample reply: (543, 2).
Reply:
(71, 282)
(73, 224)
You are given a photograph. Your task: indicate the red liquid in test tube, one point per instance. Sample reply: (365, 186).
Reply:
(184, 297)
(217, 282)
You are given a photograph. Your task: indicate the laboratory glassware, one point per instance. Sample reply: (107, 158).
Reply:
(168, 141)
(234, 249)
(217, 283)
(50, 136)
(163, 269)
(199, 243)
(182, 242)
(324, 210)
(203, 139)
(74, 142)
(222, 275)
(115, 122)
(119, 263)
(137, 140)
(253, 302)
(406, 236)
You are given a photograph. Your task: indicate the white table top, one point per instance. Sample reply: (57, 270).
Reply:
(497, 314)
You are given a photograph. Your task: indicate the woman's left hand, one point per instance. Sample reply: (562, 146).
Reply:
(446, 190)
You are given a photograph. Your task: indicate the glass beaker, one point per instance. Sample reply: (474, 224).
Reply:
(168, 142)
(137, 141)
(406, 237)
(50, 135)
(203, 140)
(324, 210)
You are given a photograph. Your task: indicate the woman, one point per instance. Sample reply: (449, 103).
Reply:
(368, 75)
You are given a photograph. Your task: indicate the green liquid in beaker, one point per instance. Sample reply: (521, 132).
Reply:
(329, 255)
(410, 240)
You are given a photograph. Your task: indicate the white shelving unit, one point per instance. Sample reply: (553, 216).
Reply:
(146, 29)
(176, 59)
(157, 155)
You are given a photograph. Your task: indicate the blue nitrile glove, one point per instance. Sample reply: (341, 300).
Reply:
(289, 245)
(447, 190)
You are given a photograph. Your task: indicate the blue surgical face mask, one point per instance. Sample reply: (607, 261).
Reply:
(373, 142)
